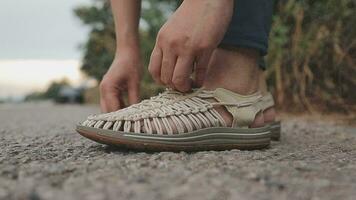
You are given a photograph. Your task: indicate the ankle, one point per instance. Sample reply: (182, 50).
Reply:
(262, 82)
(233, 70)
(269, 115)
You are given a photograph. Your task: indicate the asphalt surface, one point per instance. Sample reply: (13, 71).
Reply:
(41, 157)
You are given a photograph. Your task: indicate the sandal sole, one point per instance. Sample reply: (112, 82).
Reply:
(204, 139)
(275, 128)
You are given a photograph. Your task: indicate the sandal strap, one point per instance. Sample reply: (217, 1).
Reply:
(245, 109)
(266, 102)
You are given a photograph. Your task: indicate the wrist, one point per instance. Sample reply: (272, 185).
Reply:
(128, 50)
(129, 55)
(128, 40)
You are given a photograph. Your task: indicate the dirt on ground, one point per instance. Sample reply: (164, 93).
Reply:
(42, 157)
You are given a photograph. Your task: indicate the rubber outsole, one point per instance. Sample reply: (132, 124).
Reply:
(204, 139)
(275, 129)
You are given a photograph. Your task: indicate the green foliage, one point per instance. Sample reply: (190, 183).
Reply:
(54, 88)
(312, 53)
(100, 47)
(34, 96)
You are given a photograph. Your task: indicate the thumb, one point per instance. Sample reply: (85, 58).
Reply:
(133, 91)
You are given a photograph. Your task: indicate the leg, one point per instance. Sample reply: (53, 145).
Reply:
(247, 35)
(235, 65)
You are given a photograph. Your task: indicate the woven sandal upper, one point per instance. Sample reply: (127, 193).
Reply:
(173, 112)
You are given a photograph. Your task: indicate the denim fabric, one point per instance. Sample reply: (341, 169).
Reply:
(250, 26)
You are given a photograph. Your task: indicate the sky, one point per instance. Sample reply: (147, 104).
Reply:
(39, 43)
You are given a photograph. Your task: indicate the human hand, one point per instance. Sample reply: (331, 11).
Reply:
(123, 76)
(187, 40)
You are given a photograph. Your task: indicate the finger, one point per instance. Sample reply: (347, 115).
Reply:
(133, 92)
(201, 68)
(109, 98)
(167, 68)
(154, 66)
(112, 103)
(182, 71)
(102, 105)
(121, 102)
(109, 104)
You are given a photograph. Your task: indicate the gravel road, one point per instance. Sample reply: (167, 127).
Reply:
(41, 157)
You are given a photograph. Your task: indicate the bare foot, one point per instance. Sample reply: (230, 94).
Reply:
(238, 71)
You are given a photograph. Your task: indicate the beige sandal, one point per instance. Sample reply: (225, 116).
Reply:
(183, 122)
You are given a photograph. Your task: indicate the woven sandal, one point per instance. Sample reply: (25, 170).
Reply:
(275, 127)
(182, 122)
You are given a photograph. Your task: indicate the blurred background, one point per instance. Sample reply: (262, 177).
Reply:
(59, 51)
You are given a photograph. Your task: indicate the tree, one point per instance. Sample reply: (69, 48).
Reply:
(51, 92)
(54, 88)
